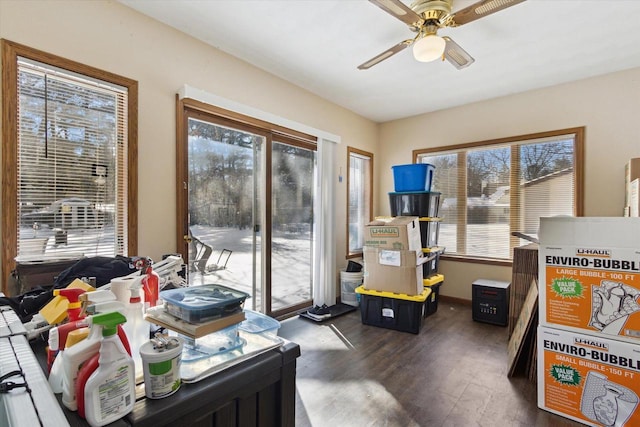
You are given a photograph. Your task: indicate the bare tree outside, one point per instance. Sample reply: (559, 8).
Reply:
(71, 165)
(489, 188)
(227, 201)
(539, 160)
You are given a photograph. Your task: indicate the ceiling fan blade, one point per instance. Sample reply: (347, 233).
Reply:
(481, 9)
(456, 55)
(399, 10)
(384, 55)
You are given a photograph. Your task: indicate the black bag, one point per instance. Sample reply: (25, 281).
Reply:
(102, 268)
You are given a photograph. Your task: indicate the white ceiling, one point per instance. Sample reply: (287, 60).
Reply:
(317, 45)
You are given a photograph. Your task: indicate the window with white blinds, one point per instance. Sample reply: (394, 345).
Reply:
(72, 164)
(360, 198)
(493, 193)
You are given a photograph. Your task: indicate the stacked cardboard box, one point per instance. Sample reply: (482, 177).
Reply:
(401, 284)
(393, 255)
(589, 333)
(392, 295)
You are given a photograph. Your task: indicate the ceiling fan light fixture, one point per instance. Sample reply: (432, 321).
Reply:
(429, 48)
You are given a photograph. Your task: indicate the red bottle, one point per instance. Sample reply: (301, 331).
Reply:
(150, 285)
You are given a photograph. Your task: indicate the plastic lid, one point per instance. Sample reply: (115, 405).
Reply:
(433, 280)
(256, 323)
(408, 193)
(433, 249)
(417, 298)
(203, 297)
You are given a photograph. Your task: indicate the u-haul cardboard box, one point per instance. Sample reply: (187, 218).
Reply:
(589, 275)
(393, 271)
(398, 233)
(590, 379)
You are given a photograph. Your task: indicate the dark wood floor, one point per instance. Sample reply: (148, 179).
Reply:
(454, 373)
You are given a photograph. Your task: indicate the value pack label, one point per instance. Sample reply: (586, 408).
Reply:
(591, 379)
(591, 288)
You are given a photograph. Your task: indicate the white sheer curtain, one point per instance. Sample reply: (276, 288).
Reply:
(324, 275)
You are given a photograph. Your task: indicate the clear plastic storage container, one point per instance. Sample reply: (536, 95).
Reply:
(202, 303)
(257, 323)
(223, 341)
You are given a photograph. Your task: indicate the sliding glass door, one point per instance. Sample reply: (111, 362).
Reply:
(249, 219)
(292, 192)
(223, 198)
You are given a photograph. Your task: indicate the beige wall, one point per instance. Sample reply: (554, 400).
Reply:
(609, 107)
(110, 36)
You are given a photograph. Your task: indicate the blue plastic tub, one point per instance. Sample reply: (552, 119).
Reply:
(414, 177)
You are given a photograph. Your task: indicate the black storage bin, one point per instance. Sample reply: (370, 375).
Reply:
(430, 267)
(422, 204)
(392, 311)
(431, 305)
(429, 232)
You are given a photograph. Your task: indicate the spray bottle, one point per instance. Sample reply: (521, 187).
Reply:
(109, 393)
(75, 356)
(55, 352)
(74, 309)
(91, 364)
(136, 328)
(58, 335)
(150, 284)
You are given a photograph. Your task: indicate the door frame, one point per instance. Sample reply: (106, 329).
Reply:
(187, 108)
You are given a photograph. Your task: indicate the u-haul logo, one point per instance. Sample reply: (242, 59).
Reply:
(385, 232)
(586, 342)
(603, 253)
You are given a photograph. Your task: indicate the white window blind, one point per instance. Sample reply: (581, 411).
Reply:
(72, 164)
(491, 191)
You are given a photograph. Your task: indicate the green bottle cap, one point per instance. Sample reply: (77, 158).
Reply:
(109, 322)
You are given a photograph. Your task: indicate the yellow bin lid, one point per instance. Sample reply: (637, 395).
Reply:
(433, 249)
(417, 298)
(433, 280)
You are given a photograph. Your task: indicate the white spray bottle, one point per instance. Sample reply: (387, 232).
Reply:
(136, 328)
(75, 356)
(109, 393)
(58, 335)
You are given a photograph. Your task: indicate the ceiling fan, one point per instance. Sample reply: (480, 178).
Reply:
(426, 17)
